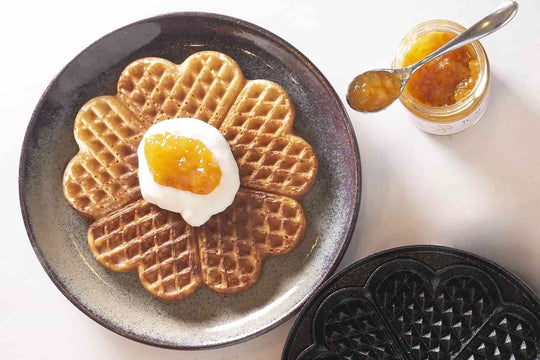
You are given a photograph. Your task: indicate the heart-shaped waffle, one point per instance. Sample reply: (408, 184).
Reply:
(172, 258)
(408, 311)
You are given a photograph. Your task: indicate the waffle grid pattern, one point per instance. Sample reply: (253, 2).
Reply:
(172, 258)
(506, 336)
(233, 243)
(455, 313)
(352, 329)
(160, 245)
(203, 87)
(433, 324)
(103, 175)
(259, 131)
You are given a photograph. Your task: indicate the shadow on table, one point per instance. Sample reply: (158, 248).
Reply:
(504, 148)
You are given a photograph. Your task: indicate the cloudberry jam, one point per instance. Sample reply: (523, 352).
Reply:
(445, 80)
(182, 163)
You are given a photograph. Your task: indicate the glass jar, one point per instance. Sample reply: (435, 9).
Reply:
(448, 119)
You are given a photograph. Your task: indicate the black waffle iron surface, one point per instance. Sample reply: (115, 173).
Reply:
(421, 302)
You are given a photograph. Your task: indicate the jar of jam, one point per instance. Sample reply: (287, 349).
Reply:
(450, 93)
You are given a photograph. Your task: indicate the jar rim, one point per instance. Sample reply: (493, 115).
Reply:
(461, 108)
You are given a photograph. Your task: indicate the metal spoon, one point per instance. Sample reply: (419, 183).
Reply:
(392, 81)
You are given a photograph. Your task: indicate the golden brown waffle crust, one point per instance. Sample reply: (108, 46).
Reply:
(172, 259)
(228, 265)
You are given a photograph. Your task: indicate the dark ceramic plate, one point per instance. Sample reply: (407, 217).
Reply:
(206, 319)
(419, 302)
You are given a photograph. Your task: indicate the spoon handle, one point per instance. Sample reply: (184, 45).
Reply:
(491, 23)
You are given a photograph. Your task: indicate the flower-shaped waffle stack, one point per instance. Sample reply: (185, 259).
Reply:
(171, 257)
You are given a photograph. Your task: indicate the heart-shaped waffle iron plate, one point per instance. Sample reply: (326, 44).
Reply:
(419, 303)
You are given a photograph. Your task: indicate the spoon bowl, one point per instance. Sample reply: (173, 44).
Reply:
(375, 90)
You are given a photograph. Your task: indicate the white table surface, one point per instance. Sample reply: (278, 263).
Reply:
(478, 190)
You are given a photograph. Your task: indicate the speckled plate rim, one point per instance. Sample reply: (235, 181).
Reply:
(357, 186)
(388, 253)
